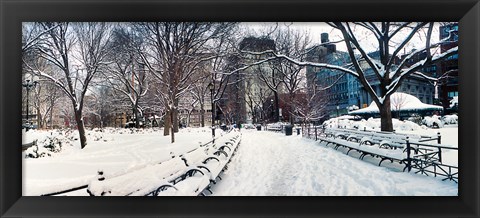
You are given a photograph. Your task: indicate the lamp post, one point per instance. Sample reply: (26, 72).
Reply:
(338, 121)
(28, 85)
(210, 87)
(273, 109)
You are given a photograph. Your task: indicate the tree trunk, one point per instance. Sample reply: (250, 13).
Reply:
(175, 117)
(51, 118)
(81, 129)
(166, 125)
(172, 124)
(386, 123)
(290, 105)
(188, 118)
(40, 120)
(277, 110)
(202, 115)
(135, 112)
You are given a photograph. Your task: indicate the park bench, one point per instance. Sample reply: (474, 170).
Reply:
(406, 149)
(387, 140)
(190, 173)
(276, 128)
(382, 154)
(376, 144)
(129, 183)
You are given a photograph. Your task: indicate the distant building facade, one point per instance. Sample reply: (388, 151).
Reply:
(449, 67)
(244, 100)
(344, 90)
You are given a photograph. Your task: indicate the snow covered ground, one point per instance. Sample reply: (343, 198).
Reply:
(266, 163)
(117, 152)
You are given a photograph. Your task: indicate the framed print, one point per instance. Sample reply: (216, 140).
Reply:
(26, 192)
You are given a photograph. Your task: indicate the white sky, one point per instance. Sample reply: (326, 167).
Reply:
(316, 28)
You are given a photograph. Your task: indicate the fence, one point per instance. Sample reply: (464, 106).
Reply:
(417, 155)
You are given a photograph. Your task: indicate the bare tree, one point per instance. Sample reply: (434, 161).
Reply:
(398, 101)
(176, 50)
(312, 105)
(79, 51)
(200, 92)
(292, 43)
(100, 102)
(45, 93)
(46, 96)
(127, 74)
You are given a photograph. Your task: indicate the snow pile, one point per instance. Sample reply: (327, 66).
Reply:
(400, 102)
(47, 142)
(406, 125)
(433, 121)
(370, 124)
(450, 119)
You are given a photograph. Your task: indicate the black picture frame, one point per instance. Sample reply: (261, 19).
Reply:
(12, 13)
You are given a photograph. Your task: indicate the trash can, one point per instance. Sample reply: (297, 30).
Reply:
(298, 131)
(288, 129)
(259, 127)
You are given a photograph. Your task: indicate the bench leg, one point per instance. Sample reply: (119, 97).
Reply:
(349, 150)
(380, 163)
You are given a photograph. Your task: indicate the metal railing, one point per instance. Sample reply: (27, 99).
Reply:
(423, 158)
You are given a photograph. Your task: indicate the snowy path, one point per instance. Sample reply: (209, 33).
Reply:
(272, 164)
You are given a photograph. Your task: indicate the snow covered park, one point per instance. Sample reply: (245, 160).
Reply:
(265, 163)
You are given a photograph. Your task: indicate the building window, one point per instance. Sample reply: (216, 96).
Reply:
(452, 94)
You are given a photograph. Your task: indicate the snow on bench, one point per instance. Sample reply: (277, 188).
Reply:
(212, 161)
(148, 176)
(426, 158)
(203, 159)
(187, 175)
(384, 154)
(381, 145)
(382, 139)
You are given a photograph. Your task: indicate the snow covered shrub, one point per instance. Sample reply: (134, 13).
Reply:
(52, 144)
(450, 119)
(329, 123)
(416, 119)
(337, 123)
(49, 142)
(405, 125)
(32, 152)
(96, 136)
(433, 121)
